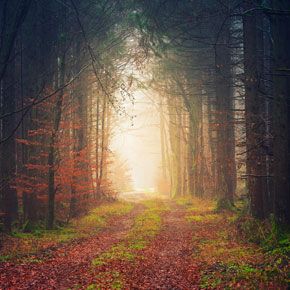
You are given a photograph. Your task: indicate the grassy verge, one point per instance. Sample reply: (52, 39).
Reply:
(29, 243)
(146, 226)
(228, 260)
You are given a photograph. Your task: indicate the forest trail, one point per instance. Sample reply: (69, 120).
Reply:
(69, 264)
(168, 262)
(160, 244)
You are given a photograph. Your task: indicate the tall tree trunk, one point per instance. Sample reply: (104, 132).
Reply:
(78, 134)
(98, 194)
(163, 141)
(52, 149)
(7, 150)
(225, 129)
(103, 149)
(281, 112)
(254, 112)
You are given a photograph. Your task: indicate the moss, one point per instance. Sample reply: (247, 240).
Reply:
(92, 287)
(138, 244)
(221, 274)
(108, 280)
(202, 218)
(5, 258)
(146, 226)
(224, 204)
(117, 252)
(39, 237)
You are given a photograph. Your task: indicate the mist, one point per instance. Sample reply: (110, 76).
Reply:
(137, 140)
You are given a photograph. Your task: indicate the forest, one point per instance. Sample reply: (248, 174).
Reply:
(144, 144)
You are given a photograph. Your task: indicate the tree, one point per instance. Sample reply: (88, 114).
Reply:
(281, 112)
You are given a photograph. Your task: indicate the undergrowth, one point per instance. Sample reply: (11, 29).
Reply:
(224, 204)
(268, 234)
(235, 250)
(20, 243)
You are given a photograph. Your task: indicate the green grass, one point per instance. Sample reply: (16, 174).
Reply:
(40, 238)
(202, 218)
(146, 226)
(108, 280)
(230, 274)
(5, 258)
(117, 252)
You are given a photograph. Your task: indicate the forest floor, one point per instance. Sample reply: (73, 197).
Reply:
(152, 244)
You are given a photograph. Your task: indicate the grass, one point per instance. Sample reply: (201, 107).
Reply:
(108, 280)
(232, 273)
(224, 247)
(202, 218)
(98, 217)
(5, 258)
(28, 243)
(145, 227)
(196, 205)
(117, 252)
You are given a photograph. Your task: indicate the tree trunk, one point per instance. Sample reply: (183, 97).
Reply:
(281, 112)
(8, 153)
(225, 125)
(254, 112)
(52, 149)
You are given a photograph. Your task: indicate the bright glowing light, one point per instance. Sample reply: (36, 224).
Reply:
(139, 143)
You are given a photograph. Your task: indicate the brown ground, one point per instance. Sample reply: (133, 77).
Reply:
(194, 249)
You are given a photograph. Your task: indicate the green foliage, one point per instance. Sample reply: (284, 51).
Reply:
(229, 274)
(5, 258)
(269, 234)
(209, 281)
(61, 234)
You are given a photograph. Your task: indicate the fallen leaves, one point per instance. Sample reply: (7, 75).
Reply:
(157, 245)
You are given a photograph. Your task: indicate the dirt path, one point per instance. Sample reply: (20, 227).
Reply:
(162, 245)
(167, 262)
(69, 264)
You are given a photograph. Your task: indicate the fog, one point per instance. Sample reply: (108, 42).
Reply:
(137, 140)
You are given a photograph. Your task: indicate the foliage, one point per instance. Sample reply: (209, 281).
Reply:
(227, 257)
(267, 233)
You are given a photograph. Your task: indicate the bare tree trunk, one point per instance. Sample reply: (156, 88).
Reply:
(225, 146)
(97, 148)
(52, 149)
(281, 112)
(163, 140)
(103, 152)
(7, 149)
(255, 126)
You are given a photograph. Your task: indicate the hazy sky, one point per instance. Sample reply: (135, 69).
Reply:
(140, 144)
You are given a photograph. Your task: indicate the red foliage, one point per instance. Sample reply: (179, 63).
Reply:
(72, 168)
